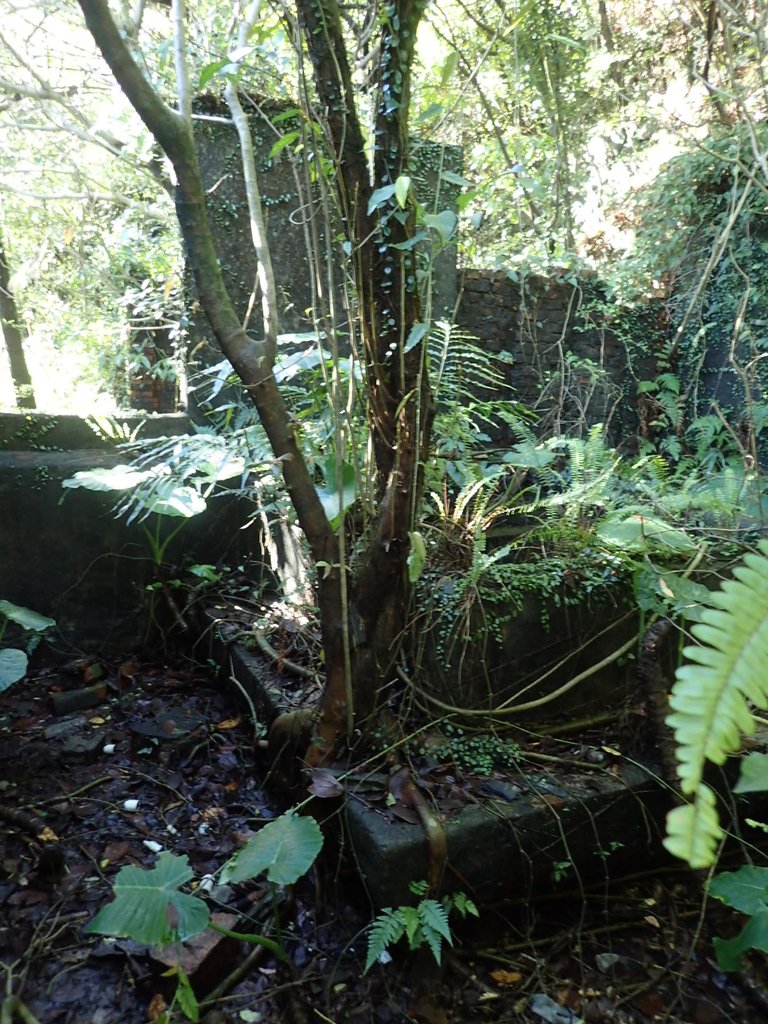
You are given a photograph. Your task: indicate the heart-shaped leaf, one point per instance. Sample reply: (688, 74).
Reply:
(285, 849)
(148, 906)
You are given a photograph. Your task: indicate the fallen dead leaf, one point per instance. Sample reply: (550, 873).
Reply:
(502, 977)
(157, 1007)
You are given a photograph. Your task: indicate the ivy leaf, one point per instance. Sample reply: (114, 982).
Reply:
(402, 188)
(416, 333)
(753, 777)
(444, 223)
(285, 848)
(149, 908)
(379, 196)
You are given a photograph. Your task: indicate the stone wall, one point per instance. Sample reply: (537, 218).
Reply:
(567, 363)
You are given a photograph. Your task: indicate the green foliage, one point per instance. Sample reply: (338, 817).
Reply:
(475, 753)
(712, 697)
(285, 849)
(149, 907)
(426, 924)
(746, 890)
(13, 661)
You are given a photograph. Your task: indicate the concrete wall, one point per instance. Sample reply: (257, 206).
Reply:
(63, 553)
(569, 365)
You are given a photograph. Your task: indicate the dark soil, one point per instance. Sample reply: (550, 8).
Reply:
(631, 949)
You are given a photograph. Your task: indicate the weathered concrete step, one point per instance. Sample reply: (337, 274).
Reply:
(569, 823)
(568, 828)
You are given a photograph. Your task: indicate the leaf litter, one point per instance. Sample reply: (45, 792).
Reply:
(168, 742)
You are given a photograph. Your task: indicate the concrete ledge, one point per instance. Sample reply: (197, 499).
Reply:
(568, 821)
(569, 828)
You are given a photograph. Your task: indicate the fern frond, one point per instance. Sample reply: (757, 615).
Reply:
(434, 927)
(388, 927)
(693, 830)
(710, 709)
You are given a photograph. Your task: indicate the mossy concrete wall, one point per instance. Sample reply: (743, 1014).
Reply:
(63, 553)
(567, 362)
(298, 222)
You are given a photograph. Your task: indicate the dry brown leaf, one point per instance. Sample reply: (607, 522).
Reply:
(157, 1007)
(502, 977)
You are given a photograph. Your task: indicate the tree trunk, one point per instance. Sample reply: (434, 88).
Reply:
(10, 322)
(399, 398)
(361, 638)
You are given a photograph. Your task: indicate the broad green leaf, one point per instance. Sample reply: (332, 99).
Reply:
(180, 501)
(25, 617)
(410, 243)
(149, 908)
(115, 478)
(444, 223)
(333, 500)
(285, 848)
(527, 455)
(379, 196)
(455, 179)
(753, 777)
(186, 997)
(693, 830)
(222, 466)
(417, 556)
(643, 533)
(287, 115)
(754, 935)
(432, 111)
(416, 333)
(450, 64)
(746, 890)
(13, 667)
(402, 188)
(689, 598)
(286, 140)
(211, 71)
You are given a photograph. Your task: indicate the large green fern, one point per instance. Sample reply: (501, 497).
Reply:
(711, 700)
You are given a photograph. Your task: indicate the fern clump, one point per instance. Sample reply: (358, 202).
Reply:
(426, 924)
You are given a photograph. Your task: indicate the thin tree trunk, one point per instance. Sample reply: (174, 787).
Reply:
(387, 298)
(13, 334)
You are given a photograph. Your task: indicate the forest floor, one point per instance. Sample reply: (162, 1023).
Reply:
(161, 759)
